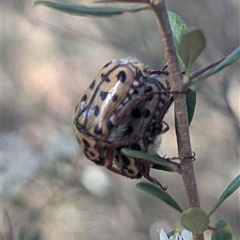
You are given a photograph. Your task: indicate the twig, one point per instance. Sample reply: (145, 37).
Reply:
(186, 169)
(204, 69)
(216, 229)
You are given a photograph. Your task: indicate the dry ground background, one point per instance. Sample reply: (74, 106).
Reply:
(49, 190)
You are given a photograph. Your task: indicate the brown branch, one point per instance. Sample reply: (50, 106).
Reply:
(186, 169)
(204, 69)
(216, 229)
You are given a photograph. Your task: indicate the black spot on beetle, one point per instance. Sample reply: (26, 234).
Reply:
(103, 95)
(122, 76)
(136, 146)
(139, 175)
(80, 127)
(115, 97)
(96, 110)
(130, 171)
(125, 160)
(129, 129)
(136, 113)
(99, 162)
(92, 85)
(98, 130)
(117, 158)
(162, 100)
(110, 125)
(146, 113)
(135, 91)
(148, 89)
(104, 78)
(84, 98)
(86, 143)
(107, 80)
(126, 131)
(150, 98)
(92, 154)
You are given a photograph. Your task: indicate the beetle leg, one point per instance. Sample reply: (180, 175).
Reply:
(119, 172)
(110, 167)
(162, 71)
(109, 157)
(115, 170)
(166, 128)
(170, 159)
(146, 171)
(109, 162)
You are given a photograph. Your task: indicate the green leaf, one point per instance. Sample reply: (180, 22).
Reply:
(159, 193)
(192, 43)
(232, 187)
(195, 220)
(81, 10)
(165, 168)
(231, 58)
(191, 103)
(224, 225)
(162, 163)
(177, 26)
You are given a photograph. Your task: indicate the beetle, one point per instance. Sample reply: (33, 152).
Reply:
(96, 122)
(124, 106)
(150, 128)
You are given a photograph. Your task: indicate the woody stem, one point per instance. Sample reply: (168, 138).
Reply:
(186, 169)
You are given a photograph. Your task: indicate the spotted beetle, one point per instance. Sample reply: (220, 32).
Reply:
(95, 122)
(149, 127)
(124, 106)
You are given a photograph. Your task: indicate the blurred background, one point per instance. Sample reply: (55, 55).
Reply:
(49, 189)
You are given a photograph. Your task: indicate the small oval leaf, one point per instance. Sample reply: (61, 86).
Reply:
(191, 44)
(159, 193)
(191, 99)
(195, 220)
(178, 26)
(232, 187)
(224, 225)
(159, 163)
(81, 10)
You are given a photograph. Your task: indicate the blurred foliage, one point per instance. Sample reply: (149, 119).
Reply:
(224, 225)
(195, 220)
(50, 191)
